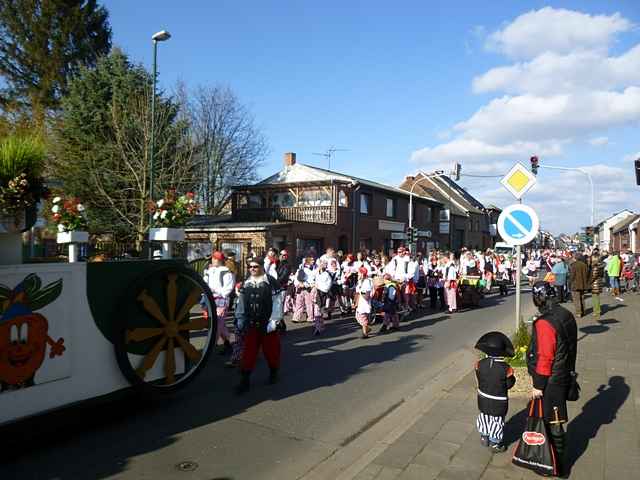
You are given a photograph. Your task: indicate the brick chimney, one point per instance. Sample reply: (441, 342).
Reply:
(289, 159)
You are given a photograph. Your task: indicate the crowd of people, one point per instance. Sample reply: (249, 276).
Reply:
(375, 287)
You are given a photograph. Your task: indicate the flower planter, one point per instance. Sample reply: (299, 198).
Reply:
(73, 239)
(167, 236)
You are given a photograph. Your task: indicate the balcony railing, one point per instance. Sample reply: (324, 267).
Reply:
(324, 215)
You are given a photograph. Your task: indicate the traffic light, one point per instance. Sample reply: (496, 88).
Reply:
(637, 162)
(411, 234)
(534, 165)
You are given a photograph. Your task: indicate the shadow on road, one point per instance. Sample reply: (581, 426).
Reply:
(309, 363)
(599, 410)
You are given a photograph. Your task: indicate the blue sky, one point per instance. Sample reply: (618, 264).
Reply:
(393, 82)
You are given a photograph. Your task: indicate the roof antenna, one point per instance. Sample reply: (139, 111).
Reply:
(329, 154)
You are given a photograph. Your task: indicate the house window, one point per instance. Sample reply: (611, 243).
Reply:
(390, 207)
(283, 199)
(365, 203)
(256, 200)
(343, 199)
(252, 200)
(428, 215)
(444, 215)
(314, 198)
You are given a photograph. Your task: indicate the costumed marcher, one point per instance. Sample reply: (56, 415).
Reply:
(503, 276)
(364, 290)
(304, 282)
(283, 278)
(551, 360)
(258, 312)
(321, 299)
(489, 268)
(435, 283)
(390, 298)
(451, 284)
(494, 377)
(221, 282)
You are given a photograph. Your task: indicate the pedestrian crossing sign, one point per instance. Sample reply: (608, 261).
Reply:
(519, 180)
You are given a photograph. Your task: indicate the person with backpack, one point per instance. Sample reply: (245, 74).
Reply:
(221, 282)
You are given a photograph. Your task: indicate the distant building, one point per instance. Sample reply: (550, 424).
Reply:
(603, 229)
(470, 223)
(624, 234)
(307, 209)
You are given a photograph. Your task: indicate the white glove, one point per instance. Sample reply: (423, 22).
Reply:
(271, 326)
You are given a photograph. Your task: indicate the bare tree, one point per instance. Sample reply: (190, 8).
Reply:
(123, 183)
(227, 143)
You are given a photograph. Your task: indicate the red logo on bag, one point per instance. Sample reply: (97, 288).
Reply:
(533, 438)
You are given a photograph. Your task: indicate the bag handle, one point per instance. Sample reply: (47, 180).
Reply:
(532, 405)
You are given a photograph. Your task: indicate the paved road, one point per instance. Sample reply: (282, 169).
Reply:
(332, 389)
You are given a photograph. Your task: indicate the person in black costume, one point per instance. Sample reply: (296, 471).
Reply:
(551, 361)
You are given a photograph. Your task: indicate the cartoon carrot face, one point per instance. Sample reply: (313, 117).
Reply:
(23, 333)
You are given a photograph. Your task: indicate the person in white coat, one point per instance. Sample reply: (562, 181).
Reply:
(221, 282)
(451, 283)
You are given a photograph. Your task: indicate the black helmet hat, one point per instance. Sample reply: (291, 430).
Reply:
(495, 344)
(544, 296)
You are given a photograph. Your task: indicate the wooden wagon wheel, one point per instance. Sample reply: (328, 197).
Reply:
(166, 329)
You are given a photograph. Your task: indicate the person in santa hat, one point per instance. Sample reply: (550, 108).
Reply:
(221, 282)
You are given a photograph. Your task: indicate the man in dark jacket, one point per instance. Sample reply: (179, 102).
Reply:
(258, 311)
(283, 270)
(551, 361)
(578, 283)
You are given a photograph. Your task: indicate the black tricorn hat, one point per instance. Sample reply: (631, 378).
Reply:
(495, 344)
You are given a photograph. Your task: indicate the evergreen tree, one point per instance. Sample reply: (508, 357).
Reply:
(101, 143)
(42, 44)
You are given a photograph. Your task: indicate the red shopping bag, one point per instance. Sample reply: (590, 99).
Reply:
(535, 450)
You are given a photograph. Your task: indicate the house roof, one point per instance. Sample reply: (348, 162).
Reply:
(624, 224)
(424, 188)
(611, 216)
(301, 173)
(445, 189)
(225, 223)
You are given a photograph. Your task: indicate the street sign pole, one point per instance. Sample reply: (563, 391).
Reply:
(518, 285)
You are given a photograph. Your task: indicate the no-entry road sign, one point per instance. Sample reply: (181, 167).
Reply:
(518, 224)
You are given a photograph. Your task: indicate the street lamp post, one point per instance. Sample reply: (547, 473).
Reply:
(593, 192)
(160, 36)
(424, 175)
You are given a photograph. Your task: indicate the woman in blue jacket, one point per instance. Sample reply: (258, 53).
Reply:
(560, 270)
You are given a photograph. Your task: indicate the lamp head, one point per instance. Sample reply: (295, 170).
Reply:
(161, 36)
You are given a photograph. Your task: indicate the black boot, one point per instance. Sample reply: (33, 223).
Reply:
(273, 376)
(559, 441)
(244, 385)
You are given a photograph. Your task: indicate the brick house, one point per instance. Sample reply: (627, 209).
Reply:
(622, 233)
(603, 236)
(469, 219)
(306, 209)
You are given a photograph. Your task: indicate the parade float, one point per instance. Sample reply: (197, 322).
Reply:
(71, 332)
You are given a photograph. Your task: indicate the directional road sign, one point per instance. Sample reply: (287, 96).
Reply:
(518, 224)
(518, 181)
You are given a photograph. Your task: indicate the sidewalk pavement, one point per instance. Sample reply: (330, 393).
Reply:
(603, 428)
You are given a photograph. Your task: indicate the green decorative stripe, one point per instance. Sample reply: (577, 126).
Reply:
(111, 291)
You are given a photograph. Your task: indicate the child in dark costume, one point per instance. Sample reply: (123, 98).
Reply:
(494, 377)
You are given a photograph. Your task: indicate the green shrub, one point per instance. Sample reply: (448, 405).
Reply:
(20, 155)
(521, 340)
